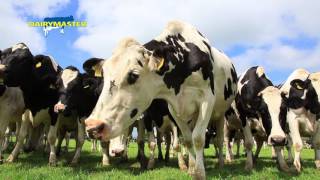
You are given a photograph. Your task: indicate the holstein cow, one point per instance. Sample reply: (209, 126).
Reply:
(75, 88)
(158, 115)
(36, 76)
(179, 66)
(261, 108)
(301, 94)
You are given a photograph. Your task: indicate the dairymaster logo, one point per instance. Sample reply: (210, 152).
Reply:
(58, 23)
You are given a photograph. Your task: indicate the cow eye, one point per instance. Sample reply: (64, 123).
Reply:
(132, 77)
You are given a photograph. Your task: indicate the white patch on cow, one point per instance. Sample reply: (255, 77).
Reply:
(187, 31)
(67, 76)
(272, 97)
(18, 46)
(54, 63)
(260, 71)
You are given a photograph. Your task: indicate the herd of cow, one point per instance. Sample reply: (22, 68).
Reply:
(176, 83)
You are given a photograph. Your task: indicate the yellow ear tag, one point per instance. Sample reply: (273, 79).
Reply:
(160, 64)
(39, 64)
(86, 86)
(97, 71)
(298, 86)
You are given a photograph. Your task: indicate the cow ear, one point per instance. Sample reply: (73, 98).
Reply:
(93, 66)
(299, 84)
(159, 57)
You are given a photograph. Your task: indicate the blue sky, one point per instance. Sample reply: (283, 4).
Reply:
(278, 35)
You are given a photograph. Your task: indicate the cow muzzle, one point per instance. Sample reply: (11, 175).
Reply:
(95, 129)
(278, 141)
(59, 108)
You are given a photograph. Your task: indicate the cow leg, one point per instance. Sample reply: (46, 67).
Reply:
(105, 153)
(67, 139)
(296, 140)
(259, 146)
(94, 145)
(227, 138)
(168, 143)
(25, 125)
(248, 144)
(220, 138)
(3, 127)
(80, 141)
(273, 153)
(52, 137)
(159, 141)
(316, 145)
(60, 139)
(237, 140)
(152, 147)
(288, 146)
(177, 148)
(4, 140)
(280, 158)
(140, 140)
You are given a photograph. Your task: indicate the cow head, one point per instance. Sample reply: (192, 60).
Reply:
(271, 110)
(75, 87)
(14, 61)
(69, 84)
(131, 82)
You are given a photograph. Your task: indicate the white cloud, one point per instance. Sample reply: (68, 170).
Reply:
(14, 28)
(227, 23)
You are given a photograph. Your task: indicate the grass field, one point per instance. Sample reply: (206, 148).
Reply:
(35, 166)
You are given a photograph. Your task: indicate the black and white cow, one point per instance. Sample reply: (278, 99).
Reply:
(36, 77)
(158, 115)
(11, 109)
(301, 94)
(179, 66)
(260, 107)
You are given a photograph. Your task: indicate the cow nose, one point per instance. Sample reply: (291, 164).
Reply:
(278, 141)
(59, 108)
(94, 128)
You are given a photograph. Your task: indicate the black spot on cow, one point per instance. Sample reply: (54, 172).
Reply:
(133, 113)
(229, 112)
(234, 75)
(184, 62)
(283, 116)
(312, 98)
(266, 117)
(228, 89)
(155, 113)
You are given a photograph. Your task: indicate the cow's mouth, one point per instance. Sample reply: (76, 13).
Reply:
(96, 132)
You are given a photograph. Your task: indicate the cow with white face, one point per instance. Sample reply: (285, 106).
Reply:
(179, 66)
(301, 94)
(260, 107)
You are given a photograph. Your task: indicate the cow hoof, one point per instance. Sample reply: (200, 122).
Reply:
(150, 164)
(52, 160)
(10, 159)
(317, 163)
